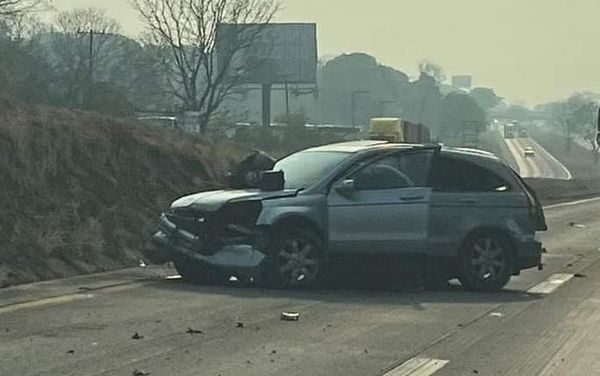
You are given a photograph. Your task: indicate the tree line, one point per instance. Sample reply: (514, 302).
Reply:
(82, 60)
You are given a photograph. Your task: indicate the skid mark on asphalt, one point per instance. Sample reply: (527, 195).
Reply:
(551, 284)
(418, 367)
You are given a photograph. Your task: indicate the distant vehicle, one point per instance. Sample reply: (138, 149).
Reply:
(528, 151)
(364, 198)
(523, 133)
(398, 130)
(169, 122)
(509, 130)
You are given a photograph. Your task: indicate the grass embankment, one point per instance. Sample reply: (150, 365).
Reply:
(81, 193)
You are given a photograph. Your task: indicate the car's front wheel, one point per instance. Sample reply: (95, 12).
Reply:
(486, 262)
(296, 259)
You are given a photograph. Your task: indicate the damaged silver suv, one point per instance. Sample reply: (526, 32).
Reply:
(463, 210)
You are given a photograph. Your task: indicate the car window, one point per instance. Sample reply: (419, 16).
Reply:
(402, 170)
(455, 175)
(303, 169)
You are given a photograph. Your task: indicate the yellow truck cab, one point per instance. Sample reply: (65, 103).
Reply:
(386, 129)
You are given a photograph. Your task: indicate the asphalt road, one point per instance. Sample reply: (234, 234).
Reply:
(545, 323)
(542, 165)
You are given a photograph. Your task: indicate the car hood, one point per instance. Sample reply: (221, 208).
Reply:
(213, 200)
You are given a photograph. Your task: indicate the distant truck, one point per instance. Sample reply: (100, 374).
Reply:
(509, 130)
(399, 130)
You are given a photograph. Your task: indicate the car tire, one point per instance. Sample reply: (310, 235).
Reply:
(486, 262)
(196, 272)
(296, 260)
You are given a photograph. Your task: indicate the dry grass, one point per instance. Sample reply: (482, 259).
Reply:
(81, 188)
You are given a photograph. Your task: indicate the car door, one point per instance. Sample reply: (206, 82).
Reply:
(468, 196)
(385, 209)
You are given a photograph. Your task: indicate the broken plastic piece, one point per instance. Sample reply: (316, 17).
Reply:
(139, 372)
(194, 331)
(290, 316)
(137, 336)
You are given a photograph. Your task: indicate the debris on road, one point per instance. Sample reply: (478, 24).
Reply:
(579, 275)
(239, 325)
(71, 352)
(496, 314)
(290, 316)
(194, 331)
(274, 352)
(139, 372)
(142, 264)
(137, 336)
(577, 225)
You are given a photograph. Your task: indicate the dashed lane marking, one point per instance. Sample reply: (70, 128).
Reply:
(418, 367)
(551, 284)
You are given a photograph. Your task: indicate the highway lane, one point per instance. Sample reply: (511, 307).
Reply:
(542, 165)
(58, 329)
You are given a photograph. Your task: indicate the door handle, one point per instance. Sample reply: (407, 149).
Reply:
(468, 201)
(412, 198)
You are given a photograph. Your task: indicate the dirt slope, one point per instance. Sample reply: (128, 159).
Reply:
(80, 193)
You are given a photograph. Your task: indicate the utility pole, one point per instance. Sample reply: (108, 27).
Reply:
(287, 101)
(90, 74)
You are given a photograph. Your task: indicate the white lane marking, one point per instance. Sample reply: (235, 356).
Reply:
(46, 302)
(572, 203)
(551, 284)
(418, 367)
(567, 173)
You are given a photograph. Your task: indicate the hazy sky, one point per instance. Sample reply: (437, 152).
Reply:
(528, 50)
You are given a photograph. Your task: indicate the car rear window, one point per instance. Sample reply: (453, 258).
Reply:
(456, 175)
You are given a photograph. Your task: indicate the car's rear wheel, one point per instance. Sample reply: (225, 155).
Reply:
(196, 272)
(486, 262)
(296, 259)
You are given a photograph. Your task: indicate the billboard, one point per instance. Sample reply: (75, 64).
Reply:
(462, 82)
(269, 54)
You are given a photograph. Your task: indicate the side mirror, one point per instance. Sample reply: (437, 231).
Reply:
(345, 187)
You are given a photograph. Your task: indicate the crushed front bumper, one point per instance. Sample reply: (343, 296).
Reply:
(237, 254)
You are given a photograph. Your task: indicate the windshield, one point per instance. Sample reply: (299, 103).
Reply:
(302, 170)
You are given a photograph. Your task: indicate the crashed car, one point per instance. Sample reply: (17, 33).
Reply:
(463, 209)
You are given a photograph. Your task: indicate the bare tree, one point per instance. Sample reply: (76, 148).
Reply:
(13, 7)
(82, 44)
(23, 26)
(186, 31)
